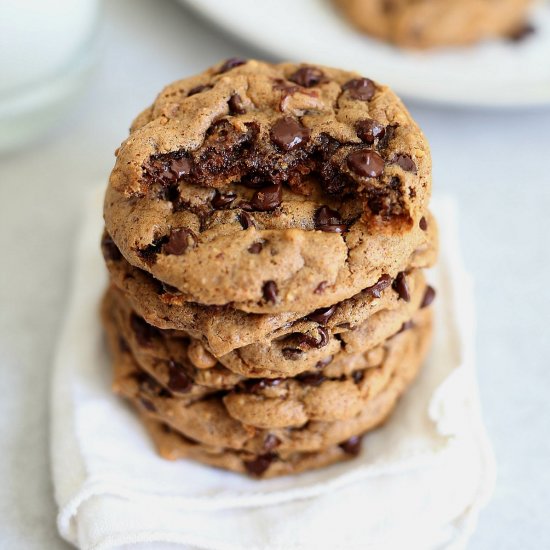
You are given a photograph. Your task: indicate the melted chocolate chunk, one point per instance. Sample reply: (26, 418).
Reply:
(256, 385)
(246, 220)
(358, 376)
(352, 446)
(366, 163)
(405, 162)
(322, 315)
(429, 296)
(270, 291)
(360, 88)
(231, 64)
(382, 283)
(167, 169)
(259, 465)
(222, 200)
(368, 130)
(268, 198)
(423, 223)
(288, 134)
(110, 249)
(179, 241)
(307, 341)
(271, 442)
(311, 378)
(401, 287)
(143, 331)
(329, 220)
(307, 76)
(255, 248)
(178, 381)
(236, 105)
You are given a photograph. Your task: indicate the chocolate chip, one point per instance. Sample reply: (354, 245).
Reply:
(352, 446)
(360, 88)
(358, 376)
(268, 198)
(307, 341)
(322, 315)
(368, 130)
(231, 64)
(405, 162)
(255, 248)
(271, 442)
(143, 331)
(366, 162)
(259, 465)
(382, 283)
(423, 223)
(311, 378)
(180, 167)
(110, 249)
(270, 291)
(400, 286)
(179, 241)
(254, 386)
(292, 354)
(329, 220)
(236, 105)
(246, 220)
(321, 287)
(222, 200)
(307, 76)
(198, 89)
(288, 133)
(429, 296)
(178, 381)
(405, 326)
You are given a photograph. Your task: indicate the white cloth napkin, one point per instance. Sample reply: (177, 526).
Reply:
(419, 482)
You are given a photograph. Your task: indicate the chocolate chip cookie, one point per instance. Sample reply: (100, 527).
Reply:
(223, 329)
(267, 228)
(173, 446)
(209, 422)
(346, 329)
(272, 188)
(432, 23)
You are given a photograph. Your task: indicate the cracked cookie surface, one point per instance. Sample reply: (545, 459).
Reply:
(270, 187)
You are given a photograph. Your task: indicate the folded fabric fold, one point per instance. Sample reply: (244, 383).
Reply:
(420, 479)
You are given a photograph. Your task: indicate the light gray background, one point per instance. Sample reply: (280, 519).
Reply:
(496, 163)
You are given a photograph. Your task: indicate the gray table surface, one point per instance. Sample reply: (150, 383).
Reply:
(497, 164)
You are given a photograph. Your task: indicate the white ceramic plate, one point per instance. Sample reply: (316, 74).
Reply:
(499, 73)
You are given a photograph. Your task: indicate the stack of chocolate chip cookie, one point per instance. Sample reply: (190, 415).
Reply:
(266, 232)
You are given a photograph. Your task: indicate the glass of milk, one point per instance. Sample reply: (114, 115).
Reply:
(47, 48)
